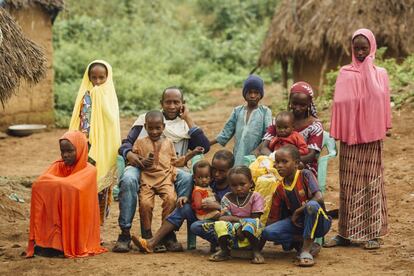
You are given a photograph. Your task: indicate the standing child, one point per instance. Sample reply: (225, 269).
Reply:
(202, 191)
(239, 225)
(158, 175)
(96, 114)
(247, 123)
(285, 134)
(297, 207)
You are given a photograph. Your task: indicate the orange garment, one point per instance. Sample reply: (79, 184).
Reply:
(158, 179)
(163, 170)
(64, 211)
(295, 138)
(200, 195)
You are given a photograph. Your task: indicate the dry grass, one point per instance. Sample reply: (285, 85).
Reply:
(307, 28)
(20, 58)
(47, 4)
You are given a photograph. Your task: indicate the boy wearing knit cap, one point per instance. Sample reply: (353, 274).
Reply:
(248, 122)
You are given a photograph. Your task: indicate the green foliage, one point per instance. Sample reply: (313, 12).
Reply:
(401, 77)
(155, 44)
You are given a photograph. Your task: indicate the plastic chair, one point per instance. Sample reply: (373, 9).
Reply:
(120, 164)
(330, 145)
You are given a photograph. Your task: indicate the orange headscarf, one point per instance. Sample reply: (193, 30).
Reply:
(64, 212)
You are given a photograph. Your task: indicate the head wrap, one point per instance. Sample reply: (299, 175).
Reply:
(361, 111)
(105, 131)
(305, 88)
(253, 82)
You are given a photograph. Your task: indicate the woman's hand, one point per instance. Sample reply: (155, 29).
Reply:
(181, 201)
(388, 133)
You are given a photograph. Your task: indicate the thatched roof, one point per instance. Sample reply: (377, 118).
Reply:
(19, 58)
(307, 28)
(49, 5)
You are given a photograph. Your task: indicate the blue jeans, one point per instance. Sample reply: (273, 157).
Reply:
(178, 216)
(283, 231)
(129, 188)
(203, 229)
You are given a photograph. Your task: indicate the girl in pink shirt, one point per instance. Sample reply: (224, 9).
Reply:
(239, 225)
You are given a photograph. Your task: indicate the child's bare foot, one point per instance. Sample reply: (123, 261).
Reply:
(220, 256)
(257, 258)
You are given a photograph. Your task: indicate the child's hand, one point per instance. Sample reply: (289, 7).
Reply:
(295, 219)
(240, 235)
(209, 205)
(198, 150)
(148, 162)
(181, 201)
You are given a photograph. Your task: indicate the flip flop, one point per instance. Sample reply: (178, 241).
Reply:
(257, 261)
(306, 260)
(160, 248)
(314, 251)
(372, 244)
(337, 241)
(141, 244)
(219, 257)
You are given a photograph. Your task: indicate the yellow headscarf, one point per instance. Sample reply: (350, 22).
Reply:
(104, 134)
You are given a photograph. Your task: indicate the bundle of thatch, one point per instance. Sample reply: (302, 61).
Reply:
(308, 28)
(19, 58)
(50, 5)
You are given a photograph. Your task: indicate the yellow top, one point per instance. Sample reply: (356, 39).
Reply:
(104, 134)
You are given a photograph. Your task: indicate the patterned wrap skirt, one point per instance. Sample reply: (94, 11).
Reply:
(363, 206)
(228, 229)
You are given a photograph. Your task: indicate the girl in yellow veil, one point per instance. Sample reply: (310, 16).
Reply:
(96, 114)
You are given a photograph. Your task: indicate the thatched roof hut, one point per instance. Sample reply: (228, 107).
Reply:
(26, 54)
(19, 58)
(315, 34)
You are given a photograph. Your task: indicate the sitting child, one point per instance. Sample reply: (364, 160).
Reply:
(247, 123)
(159, 172)
(286, 135)
(202, 191)
(239, 225)
(297, 207)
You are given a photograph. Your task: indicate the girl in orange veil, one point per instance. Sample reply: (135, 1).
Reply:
(64, 213)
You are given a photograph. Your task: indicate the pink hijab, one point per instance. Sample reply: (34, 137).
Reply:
(361, 110)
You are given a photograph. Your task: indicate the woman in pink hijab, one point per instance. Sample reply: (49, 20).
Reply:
(361, 118)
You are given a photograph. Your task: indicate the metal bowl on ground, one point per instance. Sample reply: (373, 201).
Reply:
(25, 130)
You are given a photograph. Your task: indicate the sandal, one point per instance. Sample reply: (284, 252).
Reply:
(219, 256)
(141, 244)
(372, 244)
(257, 258)
(337, 241)
(306, 260)
(160, 248)
(173, 246)
(314, 251)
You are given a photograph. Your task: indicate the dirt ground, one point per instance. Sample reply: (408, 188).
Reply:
(22, 159)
